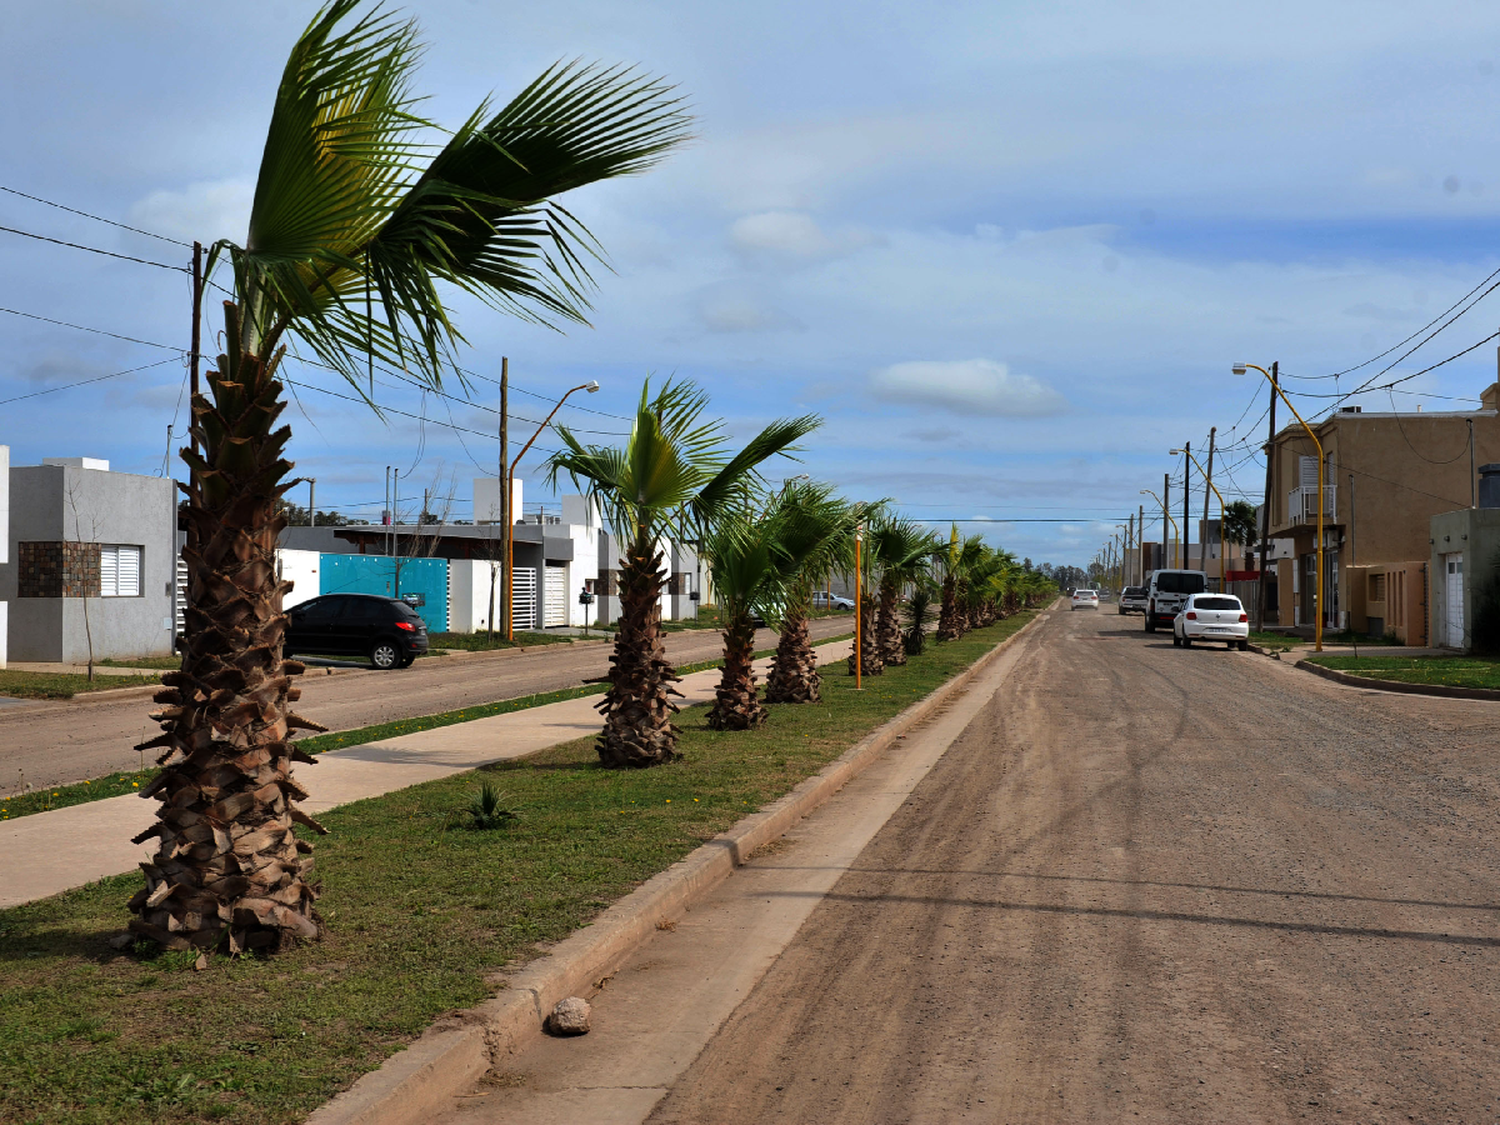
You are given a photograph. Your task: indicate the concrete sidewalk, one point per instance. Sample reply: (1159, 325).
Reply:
(48, 853)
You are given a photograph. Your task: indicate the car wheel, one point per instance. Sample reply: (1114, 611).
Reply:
(1187, 641)
(1150, 625)
(1244, 646)
(1176, 641)
(385, 655)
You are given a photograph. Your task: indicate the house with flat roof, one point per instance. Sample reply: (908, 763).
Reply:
(89, 562)
(1385, 475)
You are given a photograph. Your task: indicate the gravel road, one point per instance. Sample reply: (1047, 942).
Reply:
(57, 742)
(1150, 884)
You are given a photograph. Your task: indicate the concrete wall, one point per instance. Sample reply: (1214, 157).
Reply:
(303, 570)
(584, 527)
(1475, 532)
(105, 508)
(487, 499)
(472, 601)
(1390, 598)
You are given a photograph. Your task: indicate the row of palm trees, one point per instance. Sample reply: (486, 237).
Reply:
(356, 219)
(768, 554)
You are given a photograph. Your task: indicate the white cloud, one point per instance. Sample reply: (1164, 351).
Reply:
(967, 386)
(206, 211)
(731, 311)
(793, 235)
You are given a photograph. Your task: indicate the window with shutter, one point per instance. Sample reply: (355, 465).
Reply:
(119, 572)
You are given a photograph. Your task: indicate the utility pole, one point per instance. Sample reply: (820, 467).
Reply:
(1167, 558)
(1140, 522)
(1207, 489)
(504, 489)
(312, 502)
(1265, 511)
(1187, 480)
(193, 359)
(1473, 480)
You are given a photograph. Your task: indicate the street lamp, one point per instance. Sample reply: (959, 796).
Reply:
(1167, 518)
(1240, 369)
(859, 608)
(508, 593)
(1210, 482)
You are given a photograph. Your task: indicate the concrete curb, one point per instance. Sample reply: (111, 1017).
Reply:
(1399, 686)
(458, 1050)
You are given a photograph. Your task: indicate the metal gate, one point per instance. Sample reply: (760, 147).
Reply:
(1454, 564)
(523, 598)
(555, 601)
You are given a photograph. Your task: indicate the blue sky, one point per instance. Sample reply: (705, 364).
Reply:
(1008, 251)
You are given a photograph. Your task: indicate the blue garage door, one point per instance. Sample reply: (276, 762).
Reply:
(426, 579)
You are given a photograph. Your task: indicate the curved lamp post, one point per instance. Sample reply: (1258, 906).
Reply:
(1209, 481)
(508, 593)
(1167, 517)
(1240, 369)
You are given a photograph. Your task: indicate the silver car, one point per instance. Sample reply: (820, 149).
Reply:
(1212, 617)
(1133, 600)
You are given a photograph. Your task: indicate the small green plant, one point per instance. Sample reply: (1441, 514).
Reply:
(918, 613)
(485, 812)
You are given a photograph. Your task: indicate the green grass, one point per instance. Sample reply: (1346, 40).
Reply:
(481, 642)
(61, 796)
(422, 914)
(165, 663)
(1452, 671)
(1275, 640)
(63, 685)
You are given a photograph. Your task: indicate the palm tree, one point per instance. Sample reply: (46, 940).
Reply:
(1240, 524)
(740, 551)
(349, 234)
(672, 474)
(815, 540)
(900, 552)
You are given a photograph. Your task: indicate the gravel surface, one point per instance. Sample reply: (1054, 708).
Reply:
(57, 742)
(1151, 884)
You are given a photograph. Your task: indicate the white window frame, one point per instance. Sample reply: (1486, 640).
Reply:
(112, 572)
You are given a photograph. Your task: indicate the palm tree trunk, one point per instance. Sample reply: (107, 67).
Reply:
(794, 673)
(950, 626)
(638, 729)
(230, 870)
(888, 627)
(869, 647)
(735, 706)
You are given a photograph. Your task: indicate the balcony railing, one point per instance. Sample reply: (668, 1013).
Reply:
(1302, 504)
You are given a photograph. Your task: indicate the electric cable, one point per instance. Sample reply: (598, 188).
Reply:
(96, 218)
(96, 250)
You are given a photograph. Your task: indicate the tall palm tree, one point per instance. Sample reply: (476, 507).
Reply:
(354, 222)
(815, 541)
(672, 474)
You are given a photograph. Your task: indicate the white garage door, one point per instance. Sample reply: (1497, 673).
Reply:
(556, 600)
(1455, 607)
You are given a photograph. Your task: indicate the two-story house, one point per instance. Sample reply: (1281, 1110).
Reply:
(1385, 476)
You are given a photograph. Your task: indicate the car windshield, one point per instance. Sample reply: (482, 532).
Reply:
(1217, 603)
(1184, 582)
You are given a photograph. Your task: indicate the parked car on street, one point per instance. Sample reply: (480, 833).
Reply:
(824, 599)
(387, 631)
(1133, 600)
(1085, 599)
(1166, 592)
(1212, 617)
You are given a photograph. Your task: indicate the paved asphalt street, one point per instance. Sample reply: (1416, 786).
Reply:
(56, 742)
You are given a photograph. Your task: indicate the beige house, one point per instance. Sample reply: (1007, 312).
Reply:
(1385, 476)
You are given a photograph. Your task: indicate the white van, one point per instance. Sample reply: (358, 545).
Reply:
(1166, 592)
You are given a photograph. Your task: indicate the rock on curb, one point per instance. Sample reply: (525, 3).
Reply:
(1448, 691)
(457, 1051)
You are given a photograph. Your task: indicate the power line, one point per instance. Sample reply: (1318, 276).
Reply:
(96, 331)
(95, 250)
(96, 218)
(95, 379)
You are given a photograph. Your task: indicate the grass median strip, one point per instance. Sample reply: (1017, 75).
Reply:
(423, 913)
(62, 685)
(29, 802)
(1448, 671)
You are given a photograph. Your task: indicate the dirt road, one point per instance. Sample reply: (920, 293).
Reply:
(55, 743)
(1149, 884)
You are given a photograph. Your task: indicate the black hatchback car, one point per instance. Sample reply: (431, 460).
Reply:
(387, 631)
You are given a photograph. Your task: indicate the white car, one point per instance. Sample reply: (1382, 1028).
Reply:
(1212, 617)
(1085, 599)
